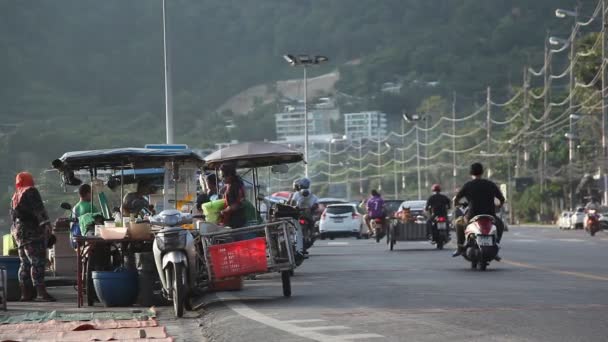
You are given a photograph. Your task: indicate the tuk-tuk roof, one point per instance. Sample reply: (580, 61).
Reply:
(253, 154)
(124, 158)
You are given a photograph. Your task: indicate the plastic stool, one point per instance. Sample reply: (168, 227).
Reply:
(3, 286)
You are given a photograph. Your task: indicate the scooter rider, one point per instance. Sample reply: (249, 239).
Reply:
(375, 209)
(437, 205)
(480, 194)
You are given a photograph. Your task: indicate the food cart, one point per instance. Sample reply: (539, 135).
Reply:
(280, 234)
(113, 167)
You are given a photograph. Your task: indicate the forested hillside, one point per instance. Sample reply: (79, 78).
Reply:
(77, 74)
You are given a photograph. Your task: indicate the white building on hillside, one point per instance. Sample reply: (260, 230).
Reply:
(363, 125)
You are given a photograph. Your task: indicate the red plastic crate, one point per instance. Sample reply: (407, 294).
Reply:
(238, 258)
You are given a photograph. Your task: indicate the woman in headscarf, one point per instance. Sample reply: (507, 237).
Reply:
(31, 229)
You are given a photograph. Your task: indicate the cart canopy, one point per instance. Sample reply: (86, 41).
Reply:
(124, 158)
(253, 155)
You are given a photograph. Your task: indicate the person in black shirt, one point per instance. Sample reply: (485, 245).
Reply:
(437, 205)
(480, 194)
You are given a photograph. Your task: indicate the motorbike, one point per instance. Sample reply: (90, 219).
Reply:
(176, 256)
(440, 231)
(592, 222)
(378, 228)
(304, 228)
(481, 246)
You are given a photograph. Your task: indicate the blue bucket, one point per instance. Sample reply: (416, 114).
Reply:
(116, 288)
(12, 266)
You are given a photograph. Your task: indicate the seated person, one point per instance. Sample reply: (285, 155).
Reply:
(134, 202)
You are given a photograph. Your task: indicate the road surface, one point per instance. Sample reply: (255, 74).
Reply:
(552, 285)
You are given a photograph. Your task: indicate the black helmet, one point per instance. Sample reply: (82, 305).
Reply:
(296, 185)
(304, 183)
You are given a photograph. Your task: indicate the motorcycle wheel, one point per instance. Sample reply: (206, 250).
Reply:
(286, 279)
(474, 265)
(483, 265)
(177, 278)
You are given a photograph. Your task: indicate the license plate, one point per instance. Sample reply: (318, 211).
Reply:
(485, 240)
(441, 225)
(338, 220)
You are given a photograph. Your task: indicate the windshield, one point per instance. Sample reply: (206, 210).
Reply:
(341, 209)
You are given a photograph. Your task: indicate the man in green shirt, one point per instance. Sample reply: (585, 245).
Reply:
(85, 205)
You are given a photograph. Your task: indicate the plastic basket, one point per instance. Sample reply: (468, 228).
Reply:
(238, 258)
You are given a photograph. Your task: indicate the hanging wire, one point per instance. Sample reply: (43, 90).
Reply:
(509, 101)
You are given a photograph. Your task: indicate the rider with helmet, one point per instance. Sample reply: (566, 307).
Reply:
(303, 198)
(436, 206)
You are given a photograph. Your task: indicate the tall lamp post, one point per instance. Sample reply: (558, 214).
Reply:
(167, 74)
(305, 61)
(379, 164)
(414, 118)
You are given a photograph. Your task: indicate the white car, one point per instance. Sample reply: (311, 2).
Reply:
(564, 220)
(577, 220)
(341, 220)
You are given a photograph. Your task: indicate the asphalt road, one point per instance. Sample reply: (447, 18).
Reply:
(551, 286)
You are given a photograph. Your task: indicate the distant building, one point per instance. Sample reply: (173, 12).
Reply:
(365, 125)
(391, 88)
(290, 123)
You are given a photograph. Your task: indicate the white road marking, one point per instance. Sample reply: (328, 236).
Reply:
(308, 332)
(298, 321)
(523, 240)
(338, 243)
(571, 240)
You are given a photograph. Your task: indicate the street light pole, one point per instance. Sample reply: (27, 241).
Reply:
(168, 99)
(305, 61)
(604, 154)
(360, 166)
(454, 171)
(305, 121)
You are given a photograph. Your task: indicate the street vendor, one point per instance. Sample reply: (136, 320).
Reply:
(134, 202)
(31, 230)
(85, 204)
(234, 215)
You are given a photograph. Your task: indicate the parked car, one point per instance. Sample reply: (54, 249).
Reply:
(340, 220)
(564, 220)
(391, 207)
(577, 219)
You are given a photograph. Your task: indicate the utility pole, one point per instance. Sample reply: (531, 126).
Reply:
(546, 105)
(489, 125)
(604, 154)
(526, 118)
(402, 154)
(360, 166)
(426, 149)
(454, 171)
(395, 184)
(418, 161)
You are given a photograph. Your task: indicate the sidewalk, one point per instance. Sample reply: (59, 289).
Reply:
(188, 328)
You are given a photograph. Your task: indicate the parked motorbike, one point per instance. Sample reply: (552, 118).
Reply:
(592, 222)
(480, 245)
(441, 231)
(177, 258)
